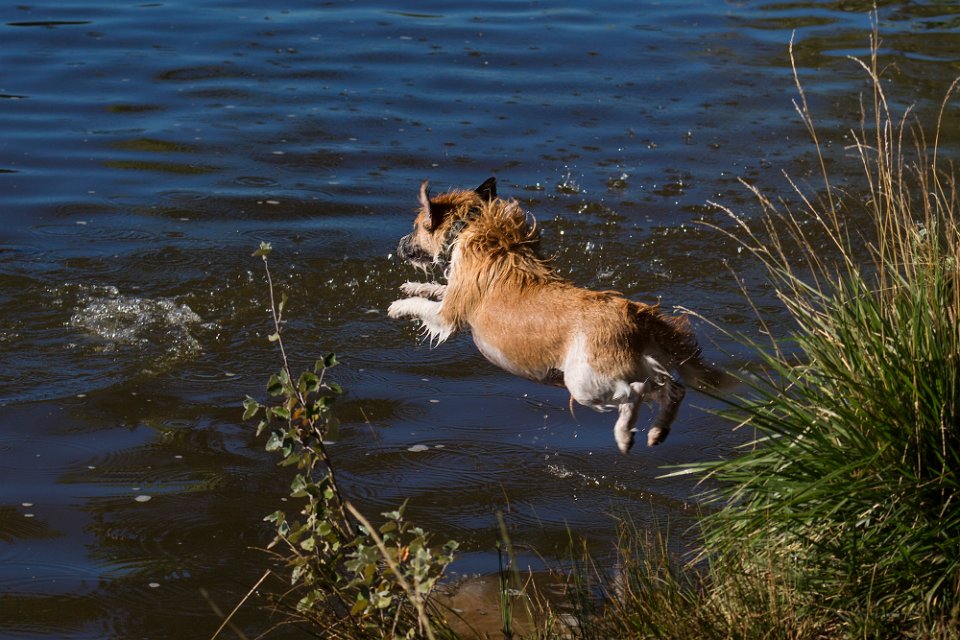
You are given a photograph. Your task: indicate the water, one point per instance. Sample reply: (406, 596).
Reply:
(147, 148)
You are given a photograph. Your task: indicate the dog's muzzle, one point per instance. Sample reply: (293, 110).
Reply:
(404, 250)
(412, 253)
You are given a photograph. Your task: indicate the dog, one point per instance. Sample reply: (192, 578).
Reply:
(609, 352)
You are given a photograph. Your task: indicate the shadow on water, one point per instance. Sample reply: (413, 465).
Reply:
(148, 148)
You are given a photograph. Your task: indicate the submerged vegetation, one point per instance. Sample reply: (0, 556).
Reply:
(839, 519)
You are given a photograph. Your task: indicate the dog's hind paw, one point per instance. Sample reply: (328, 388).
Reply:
(656, 435)
(624, 440)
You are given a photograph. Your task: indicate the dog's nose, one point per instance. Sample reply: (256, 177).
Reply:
(403, 249)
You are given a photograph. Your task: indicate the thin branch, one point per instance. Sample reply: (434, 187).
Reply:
(227, 620)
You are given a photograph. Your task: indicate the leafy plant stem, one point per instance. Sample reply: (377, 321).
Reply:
(321, 450)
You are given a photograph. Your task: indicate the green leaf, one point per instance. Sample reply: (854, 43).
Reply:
(263, 251)
(393, 515)
(308, 601)
(309, 382)
(297, 573)
(388, 526)
(360, 606)
(274, 386)
(275, 517)
(250, 408)
(275, 441)
(329, 361)
(290, 460)
(273, 337)
(298, 486)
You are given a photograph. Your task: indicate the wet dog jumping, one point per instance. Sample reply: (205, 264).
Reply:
(609, 352)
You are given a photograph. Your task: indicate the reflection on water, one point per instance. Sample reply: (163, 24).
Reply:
(146, 150)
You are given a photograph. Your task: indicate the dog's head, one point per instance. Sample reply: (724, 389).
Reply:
(438, 221)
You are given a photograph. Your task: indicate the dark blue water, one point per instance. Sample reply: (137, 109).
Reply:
(146, 148)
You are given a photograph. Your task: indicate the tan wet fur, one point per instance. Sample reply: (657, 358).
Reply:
(610, 352)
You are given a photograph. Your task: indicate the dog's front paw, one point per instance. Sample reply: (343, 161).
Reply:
(429, 290)
(398, 309)
(411, 288)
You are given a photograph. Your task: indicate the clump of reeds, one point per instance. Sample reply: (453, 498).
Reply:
(849, 498)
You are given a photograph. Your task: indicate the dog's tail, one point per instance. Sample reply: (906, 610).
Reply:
(674, 334)
(704, 377)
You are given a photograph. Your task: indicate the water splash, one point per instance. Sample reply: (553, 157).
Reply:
(160, 326)
(562, 472)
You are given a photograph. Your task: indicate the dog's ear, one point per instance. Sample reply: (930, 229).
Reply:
(434, 216)
(488, 190)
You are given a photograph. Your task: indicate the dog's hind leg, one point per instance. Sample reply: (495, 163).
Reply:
(624, 429)
(668, 396)
(429, 290)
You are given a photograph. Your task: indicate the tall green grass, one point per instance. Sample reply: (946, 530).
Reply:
(849, 497)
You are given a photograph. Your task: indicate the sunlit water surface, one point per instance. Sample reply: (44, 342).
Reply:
(147, 148)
